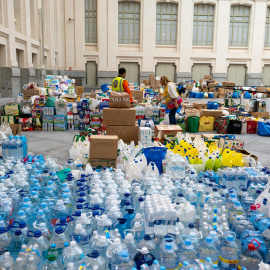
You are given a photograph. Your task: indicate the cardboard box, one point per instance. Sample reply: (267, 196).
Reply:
(79, 90)
(167, 130)
(145, 135)
(189, 87)
(264, 115)
(16, 129)
(146, 82)
(152, 79)
(205, 90)
(210, 85)
(157, 82)
(200, 105)
(60, 127)
(221, 96)
(187, 105)
(103, 163)
(192, 112)
(231, 144)
(139, 100)
(221, 91)
(228, 84)
(119, 117)
(211, 90)
(126, 133)
(119, 100)
(47, 119)
(59, 119)
(261, 89)
(214, 113)
(91, 96)
(137, 94)
(103, 147)
(27, 94)
(246, 153)
(207, 77)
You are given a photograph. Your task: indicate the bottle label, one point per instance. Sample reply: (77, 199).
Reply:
(228, 264)
(54, 220)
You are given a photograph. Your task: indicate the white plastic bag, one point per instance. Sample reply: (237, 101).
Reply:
(186, 212)
(264, 266)
(133, 173)
(88, 168)
(140, 162)
(152, 168)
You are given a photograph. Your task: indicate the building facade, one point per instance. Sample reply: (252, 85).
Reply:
(89, 39)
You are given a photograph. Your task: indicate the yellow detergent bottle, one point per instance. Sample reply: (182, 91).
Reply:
(198, 160)
(227, 158)
(238, 160)
(195, 152)
(192, 161)
(209, 164)
(217, 164)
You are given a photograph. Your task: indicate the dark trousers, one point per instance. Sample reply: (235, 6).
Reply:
(172, 116)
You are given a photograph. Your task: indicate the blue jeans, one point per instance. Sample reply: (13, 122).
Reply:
(172, 116)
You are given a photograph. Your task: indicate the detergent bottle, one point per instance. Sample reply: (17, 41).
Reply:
(238, 160)
(209, 164)
(227, 158)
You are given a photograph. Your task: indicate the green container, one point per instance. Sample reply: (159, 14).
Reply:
(193, 124)
(183, 126)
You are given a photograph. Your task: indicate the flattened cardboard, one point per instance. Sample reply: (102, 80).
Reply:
(103, 163)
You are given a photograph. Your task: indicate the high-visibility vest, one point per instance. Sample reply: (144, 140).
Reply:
(117, 84)
(166, 95)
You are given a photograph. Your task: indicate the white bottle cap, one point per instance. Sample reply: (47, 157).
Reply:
(144, 250)
(73, 243)
(129, 236)
(103, 238)
(117, 241)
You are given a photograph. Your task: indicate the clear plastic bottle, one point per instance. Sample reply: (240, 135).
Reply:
(229, 252)
(59, 238)
(81, 237)
(7, 262)
(16, 243)
(73, 253)
(122, 261)
(187, 252)
(131, 243)
(59, 210)
(208, 249)
(94, 259)
(168, 256)
(250, 258)
(53, 259)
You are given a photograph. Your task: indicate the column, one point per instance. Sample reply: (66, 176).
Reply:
(185, 40)
(222, 40)
(148, 18)
(254, 77)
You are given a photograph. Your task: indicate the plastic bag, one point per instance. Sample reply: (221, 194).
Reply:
(152, 169)
(264, 266)
(186, 212)
(133, 173)
(140, 162)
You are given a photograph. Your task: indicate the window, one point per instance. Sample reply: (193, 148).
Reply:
(267, 29)
(34, 60)
(239, 26)
(133, 71)
(166, 24)
(203, 25)
(91, 21)
(129, 23)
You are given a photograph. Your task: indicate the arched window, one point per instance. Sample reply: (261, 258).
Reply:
(91, 21)
(166, 33)
(203, 24)
(239, 26)
(128, 23)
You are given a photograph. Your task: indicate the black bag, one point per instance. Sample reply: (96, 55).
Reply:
(235, 127)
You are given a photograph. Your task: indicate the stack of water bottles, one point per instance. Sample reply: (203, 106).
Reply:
(100, 220)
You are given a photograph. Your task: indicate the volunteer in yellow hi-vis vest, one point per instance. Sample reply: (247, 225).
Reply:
(171, 97)
(119, 84)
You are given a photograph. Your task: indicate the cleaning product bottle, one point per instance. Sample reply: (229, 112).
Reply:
(209, 164)
(217, 164)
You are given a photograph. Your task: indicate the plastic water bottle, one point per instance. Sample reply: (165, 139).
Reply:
(250, 258)
(149, 243)
(138, 228)
(94, 259)
(59, 238)
(42, 242)
(155, 265)
(81, 237)
(53, 261)
(144, 257)
(208, 249)
(187, 252)
(229, 252)
(122, 226)
(5, 149)
(5, 239)
(7, 262)
(59, 210)
(168, 256)
(123, 261)
(16, 243)
(73, 253)
(115, 248)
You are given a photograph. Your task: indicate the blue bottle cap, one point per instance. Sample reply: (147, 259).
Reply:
(191, 225)
(230, 238)
(208, 239)
(59, 230)
(37, 233)
(18, 232)
(53, 245)
(188, 242)
(22, 224)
